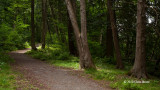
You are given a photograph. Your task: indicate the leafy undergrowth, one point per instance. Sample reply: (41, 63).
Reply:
(8, 78)
(56, 55)
(118, 79)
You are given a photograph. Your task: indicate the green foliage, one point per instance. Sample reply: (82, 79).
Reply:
(51, 53)
(56, 55)
(129, 86)
(10, 39)
(105, 60)
(26, 45)
(64, 56)
(67, 64)
(101, 75)
(13, 24)
(4, 58)
(126, 86)
(95, 48)
(7, 79)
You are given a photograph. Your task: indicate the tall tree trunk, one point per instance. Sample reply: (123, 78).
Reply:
(81, 37)
(44, 29)
(139, 67)
(109, 39)
(32, 27)
(72, 48)
(115, 35)
(86, 55)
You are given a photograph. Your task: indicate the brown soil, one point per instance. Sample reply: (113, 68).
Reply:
(48, 77)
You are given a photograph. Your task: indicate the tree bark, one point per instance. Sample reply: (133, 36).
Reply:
(139, 67)
(44, 21)
(32, 27)
(115, 35)
(81, 37)
(109, 39)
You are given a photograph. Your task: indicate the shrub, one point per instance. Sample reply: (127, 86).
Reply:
(4, 58)
(96, 49)
(50, 54)
(63, 56)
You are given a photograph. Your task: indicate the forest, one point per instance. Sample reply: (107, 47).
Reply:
(115, 43)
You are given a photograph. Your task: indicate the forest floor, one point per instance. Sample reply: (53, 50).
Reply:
(48, 77)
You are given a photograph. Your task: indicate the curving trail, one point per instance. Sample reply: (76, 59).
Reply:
(49, 77)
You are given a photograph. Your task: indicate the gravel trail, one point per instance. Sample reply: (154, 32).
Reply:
(50, 77)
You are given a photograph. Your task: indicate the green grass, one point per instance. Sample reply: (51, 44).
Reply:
(7, 77)
(57, 56)
(66, 64)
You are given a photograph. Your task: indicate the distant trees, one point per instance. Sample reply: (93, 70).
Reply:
(81, 36)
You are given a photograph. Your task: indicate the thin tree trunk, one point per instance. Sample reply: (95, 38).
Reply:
(139, 67)
(81, 38)
(32, 27)
(115, 35)
(109, 39)
(44, 29)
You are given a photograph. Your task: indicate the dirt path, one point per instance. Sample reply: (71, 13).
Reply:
(50, 77)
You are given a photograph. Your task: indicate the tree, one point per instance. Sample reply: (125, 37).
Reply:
(115, 35)
(32, 26)
(109, 38)
(81, 37)
(139, 68)
(44, 21)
